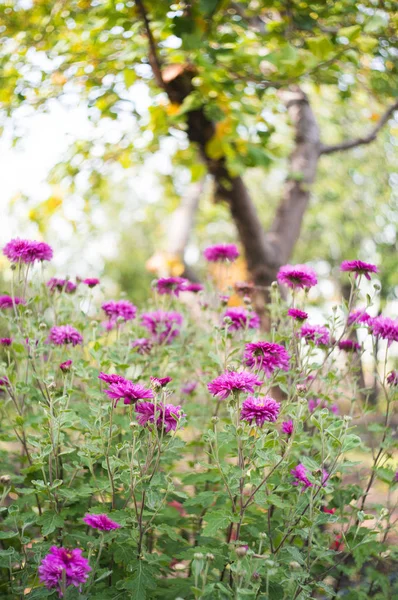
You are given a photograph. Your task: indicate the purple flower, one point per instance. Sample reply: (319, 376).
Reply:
(91, 281)
(300, 475)
(4, 382)
(230, 382)
(101, 522)
(170, 285)
(297, 276)
(65, 366)
(128, 392)
(112, 378)
(260, 410)
(385, 328)
(392, 378)
(314, 403)
(266, 356)
(65, 334)
(358, 316)
(6, 341)
(358, 267)
(163, 325)
(27, 251)
(244, 288)
(143, 345)
(164, 415)
(189, 387)
(297, 314)
(349, 346)
(159, 382)
(192, 287)
(119, 308)
(61, 565)
(62, 285)
(318, 334)
(287, 427)
(241, 319)
(7, 302)
(221, 253)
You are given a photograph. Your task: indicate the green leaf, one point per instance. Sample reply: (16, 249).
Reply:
(141, 583)
(215, 521)
(321, 46)
(49, 522)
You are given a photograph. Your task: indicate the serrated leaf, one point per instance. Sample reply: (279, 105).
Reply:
(216, 520)
(49, 522)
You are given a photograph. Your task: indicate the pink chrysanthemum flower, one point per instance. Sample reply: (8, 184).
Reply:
(260, 410)
(111, 378)
(189, 387)
(297, 276)
(288, 427)
(61, 285)
(392, 378)
(318, 334)
(385, 328)
(297, 314)
(358, 267)
(300, 475)
(163, 415)
(101, 522)
(241, 319)
(221, 253)
(4, 382)
(91, 281)
(27, 251)
(233, 382)
(142, 345)
(266, 356)
(64, 334)
(128, 392)
(6, 341)
(349, 346)
(65, 366)
(192, 287)
(164, 326)
(170, 285)
(63, 565)
(358, 316)
(119, 308)
(160, 382)
(7, 301)
(314, 403)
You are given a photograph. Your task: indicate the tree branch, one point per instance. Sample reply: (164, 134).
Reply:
(347, 145)
(153, 58)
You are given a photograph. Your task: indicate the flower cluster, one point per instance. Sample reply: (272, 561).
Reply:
(266, 356)
(358, 267)
(62, 285)
(64, 567)
(128, 391)
(221, 253)
(62, 335)
(163, 326)
(241, 318)
(170, 285)
(119, 309)
(101, 522)
(385, 328)
(232, 382)
(165, 416)
(297, 276)
(260, 410)
(9, 302)
(318, 334)
(297, 314)
(27, 251)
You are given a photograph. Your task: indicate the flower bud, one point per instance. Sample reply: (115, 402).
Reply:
(256, 576)
(215, 420)
(133, 425)
(301, 389)
(263, 535)
(209, 557)
(198, 556)
(5, 479)
(377, 286)
(43, 326)
(241, 551)
(94, 324)
(294, 565)
(274, 285)
(13, 267)
(247, 300)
